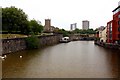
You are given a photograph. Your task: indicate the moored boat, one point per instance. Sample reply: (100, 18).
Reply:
(65, 40)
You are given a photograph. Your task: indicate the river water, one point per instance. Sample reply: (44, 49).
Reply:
(77, 59)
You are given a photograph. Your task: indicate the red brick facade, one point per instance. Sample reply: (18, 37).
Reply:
(113, 27)
(97, 34)
(109, 31)
(116, 25)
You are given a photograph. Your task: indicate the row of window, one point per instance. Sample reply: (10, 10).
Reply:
(119, 36)
(119, 26)
(118, 29)
(110, 36)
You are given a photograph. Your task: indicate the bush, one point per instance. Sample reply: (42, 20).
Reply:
(32, 42)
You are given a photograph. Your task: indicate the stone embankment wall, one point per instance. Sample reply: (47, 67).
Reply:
(19, 44)
(108, 45)
(74, 37)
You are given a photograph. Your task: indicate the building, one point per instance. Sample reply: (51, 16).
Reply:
(73, 26)
(116, 25)
(101, 28)
(85, 25)
(47, 26)
(104, 35)
(97, 34)
(99, 31)
(113, 27)
(52, 28)
(109, 31)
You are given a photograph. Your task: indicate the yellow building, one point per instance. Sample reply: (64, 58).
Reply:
(103, 35)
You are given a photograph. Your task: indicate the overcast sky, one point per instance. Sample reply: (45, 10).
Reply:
(65, 12)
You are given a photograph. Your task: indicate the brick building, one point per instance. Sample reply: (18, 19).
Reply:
(113, 27)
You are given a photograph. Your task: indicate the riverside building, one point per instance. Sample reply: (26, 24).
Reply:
(113, 27)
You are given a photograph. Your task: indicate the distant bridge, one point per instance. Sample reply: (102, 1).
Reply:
(82, 37)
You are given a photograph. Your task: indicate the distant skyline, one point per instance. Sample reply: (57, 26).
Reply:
(65, 12)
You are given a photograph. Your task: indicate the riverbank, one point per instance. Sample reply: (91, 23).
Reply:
(19, 44)
(107, 45)
(11, 45)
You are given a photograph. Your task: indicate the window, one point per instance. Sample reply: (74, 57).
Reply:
(118, 29)
(110, 36)
(118, 22)
(119, 36)
(119, 16)
(111, 26)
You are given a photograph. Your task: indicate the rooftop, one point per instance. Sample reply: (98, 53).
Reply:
(116, 8)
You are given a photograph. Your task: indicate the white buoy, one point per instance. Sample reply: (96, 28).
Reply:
(5, 56)
(20, 56)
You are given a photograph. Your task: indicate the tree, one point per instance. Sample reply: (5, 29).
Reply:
(35, 27)
(64, 32)
(14, 19)
(76, 30)
(89, 31)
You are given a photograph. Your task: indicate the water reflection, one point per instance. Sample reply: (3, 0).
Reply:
(80, 59)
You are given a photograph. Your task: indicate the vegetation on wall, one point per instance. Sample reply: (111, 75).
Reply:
(32, 42)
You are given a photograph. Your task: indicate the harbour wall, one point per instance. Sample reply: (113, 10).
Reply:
(107, 45)
(19, 44)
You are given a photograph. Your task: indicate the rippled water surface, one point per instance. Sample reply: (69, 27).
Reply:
(78, 59)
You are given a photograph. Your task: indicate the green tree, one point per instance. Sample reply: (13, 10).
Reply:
(89, 31)
(35, 27)
(64, 32)
(14, 19)
(76, 31)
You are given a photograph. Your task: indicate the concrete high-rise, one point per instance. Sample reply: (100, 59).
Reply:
(85, 25)
(73, 26)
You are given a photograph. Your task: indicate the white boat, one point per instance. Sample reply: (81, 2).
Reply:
(65, 40)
